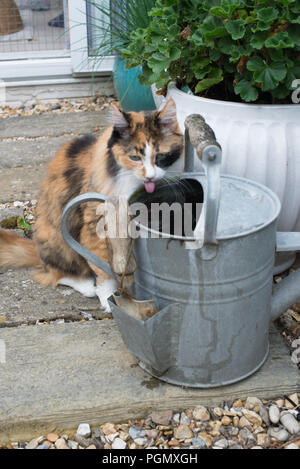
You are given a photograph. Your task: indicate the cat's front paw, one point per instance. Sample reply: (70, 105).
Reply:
(104, 291)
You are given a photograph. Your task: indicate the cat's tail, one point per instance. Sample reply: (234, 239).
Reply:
(17, 252)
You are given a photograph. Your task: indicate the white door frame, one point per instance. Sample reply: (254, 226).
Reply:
(57, 64)
(81, 61)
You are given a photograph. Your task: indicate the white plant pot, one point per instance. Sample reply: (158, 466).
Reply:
(259, 142)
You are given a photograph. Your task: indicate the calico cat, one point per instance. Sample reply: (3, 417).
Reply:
(138, 149)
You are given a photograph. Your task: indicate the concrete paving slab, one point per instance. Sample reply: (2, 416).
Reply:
(53, 125)
(56, 376)
(23, 163)
(15, 154)
(21, 183)
(23, 301)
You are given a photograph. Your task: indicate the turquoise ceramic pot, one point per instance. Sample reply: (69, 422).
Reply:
(132, 95)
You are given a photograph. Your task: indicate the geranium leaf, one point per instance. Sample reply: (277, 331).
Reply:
(258, 40)
(282, 40)
(267, 74)
(236, 28)
(246, 90)
(216, 76)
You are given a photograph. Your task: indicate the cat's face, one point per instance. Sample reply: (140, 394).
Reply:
(144, 144)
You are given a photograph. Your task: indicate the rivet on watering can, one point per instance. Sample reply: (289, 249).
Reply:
(211, 155)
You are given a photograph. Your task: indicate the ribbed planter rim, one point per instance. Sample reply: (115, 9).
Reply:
(172, 86)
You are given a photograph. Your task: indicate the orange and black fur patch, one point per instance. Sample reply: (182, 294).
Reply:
(123, 158)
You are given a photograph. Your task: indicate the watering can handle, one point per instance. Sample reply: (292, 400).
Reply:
(88, 255)
(199, 136)
(199, 133)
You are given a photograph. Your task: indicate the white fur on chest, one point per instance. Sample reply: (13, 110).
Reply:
(127, 184)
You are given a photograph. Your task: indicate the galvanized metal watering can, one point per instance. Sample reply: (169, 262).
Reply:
(214, 289)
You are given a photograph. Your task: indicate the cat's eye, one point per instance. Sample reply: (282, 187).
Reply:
(160, 156)
(135, 157)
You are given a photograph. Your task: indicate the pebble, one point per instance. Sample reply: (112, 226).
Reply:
(247, 437)
(152, 434)
(279, 434)
(84, 442)
(237, 403)
(33, 444)
(112, 436)
(264, 415)
(172, 442)
(235, 421)
(252, 416)
(253, 403)
(124, 436)
(61, 444)
(201, 413)
(235, 411)
(108, 428)
(118, 444)
(263, 439)
(184, 419)
(244, 422)
(218, 412)
(52, 437)
(215, 427)
(221, 444)
(84, 430)
(162, 417)
(232, 431)
(274, 413)
(183, 432)
(226, 420)
(206, 438)
(141, 441)
(290, 423)
(198, 443)
(72, 444)
(258, 430)
(134, 432)
(43, 446)
(280, 403)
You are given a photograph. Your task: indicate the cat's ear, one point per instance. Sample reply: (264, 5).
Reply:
(119, 118)
(168, 117)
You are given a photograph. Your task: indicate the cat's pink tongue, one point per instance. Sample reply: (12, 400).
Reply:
(149, 186)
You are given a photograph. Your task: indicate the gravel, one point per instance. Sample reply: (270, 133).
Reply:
(209, 427)
(97, 103)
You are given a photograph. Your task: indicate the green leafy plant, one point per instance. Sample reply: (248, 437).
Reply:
(238, 50)
(12, 223)
(112, 22)
(23, 225)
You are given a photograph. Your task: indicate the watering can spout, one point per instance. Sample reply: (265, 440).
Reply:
(285, 294)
